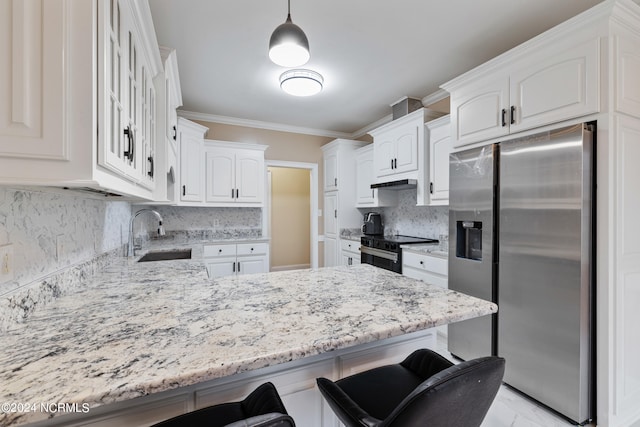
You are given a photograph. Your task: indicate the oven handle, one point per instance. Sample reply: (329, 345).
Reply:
(379, 253)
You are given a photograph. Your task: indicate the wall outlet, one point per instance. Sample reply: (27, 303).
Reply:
(6, 263)
(216, 223)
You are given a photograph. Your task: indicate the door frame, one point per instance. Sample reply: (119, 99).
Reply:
(313, 196)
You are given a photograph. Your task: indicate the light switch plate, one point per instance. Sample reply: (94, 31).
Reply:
(6, 263)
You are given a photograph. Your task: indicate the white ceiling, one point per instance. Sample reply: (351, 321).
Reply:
(370, 52)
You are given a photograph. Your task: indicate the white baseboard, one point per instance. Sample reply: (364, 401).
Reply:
(291, 267)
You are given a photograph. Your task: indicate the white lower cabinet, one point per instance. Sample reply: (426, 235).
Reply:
(350, 252)
(432, 269)
(229, 259)
(429, 268)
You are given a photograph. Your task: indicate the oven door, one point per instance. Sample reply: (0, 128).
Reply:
(379, 258)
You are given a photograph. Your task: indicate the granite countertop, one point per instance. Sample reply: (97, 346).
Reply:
(426, 248)
(140, 328)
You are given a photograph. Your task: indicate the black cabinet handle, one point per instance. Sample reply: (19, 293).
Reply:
(129, 152)
(431, 187)
(251, 249)
(219, 251)
(234, 267)
(421, 262)
(184, 190)
(335, 182)
(335, 213)
(513, 114)
(504, 117)
(232, 193)
(150, 173)
(175, 133)
(395, 163)
(237, 193)
(238, 266)
(391, 163)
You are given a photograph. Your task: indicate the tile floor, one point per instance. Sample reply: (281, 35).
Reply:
(511, 409)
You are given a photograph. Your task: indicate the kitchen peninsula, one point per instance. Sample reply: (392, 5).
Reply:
(148, 329)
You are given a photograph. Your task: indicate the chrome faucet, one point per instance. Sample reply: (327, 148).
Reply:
(131, 250)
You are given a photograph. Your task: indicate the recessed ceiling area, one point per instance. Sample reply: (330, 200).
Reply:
(370, 52)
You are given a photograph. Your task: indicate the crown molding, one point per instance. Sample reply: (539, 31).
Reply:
(261, 125)
(439, 95)
(365, 130)
(226, 120)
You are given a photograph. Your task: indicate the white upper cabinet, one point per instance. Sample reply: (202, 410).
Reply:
(65, 122)
(554, 81)
(331, 171)
(481, 110)
(168, 99)
(400, 152)
(396, 145)
(440, 146)
(191, 138)
(234, 174)
(366, 197)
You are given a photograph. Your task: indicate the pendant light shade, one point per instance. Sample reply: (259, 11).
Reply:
(289, 46)
(301, 82)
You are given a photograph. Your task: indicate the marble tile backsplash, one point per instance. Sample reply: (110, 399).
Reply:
(59, 238)
(411, 220)
(215, 223)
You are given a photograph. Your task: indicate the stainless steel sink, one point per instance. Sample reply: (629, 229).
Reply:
(166, 255)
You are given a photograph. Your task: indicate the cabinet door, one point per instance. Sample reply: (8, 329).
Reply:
(32, 79)
(117, 148)
(440, 146)
(384, 153)
(406, 141)
(251, 265)
(191, 165)
(551, 89)
(330, 252)
(331, 171)
(220, 166)
(249, 176)
(345, 258)
(133, 97)
(364, 179)
(148, 130)
(476, 110)
(331, 215)
(220, 267)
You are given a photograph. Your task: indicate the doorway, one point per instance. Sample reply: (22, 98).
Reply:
(289, 219)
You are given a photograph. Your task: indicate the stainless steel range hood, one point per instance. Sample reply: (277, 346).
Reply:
(402, 184)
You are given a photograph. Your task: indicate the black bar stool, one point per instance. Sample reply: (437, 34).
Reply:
(423, 390)
(262, 408)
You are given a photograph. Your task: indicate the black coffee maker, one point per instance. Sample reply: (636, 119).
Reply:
(372, 224)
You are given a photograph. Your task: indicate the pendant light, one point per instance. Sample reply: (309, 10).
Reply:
(289, 46)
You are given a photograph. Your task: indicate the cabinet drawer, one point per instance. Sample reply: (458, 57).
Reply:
(219, 250)
(350, 246)
(426, 263)
(252, 248)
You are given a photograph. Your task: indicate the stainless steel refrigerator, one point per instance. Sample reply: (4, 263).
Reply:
(520, 222)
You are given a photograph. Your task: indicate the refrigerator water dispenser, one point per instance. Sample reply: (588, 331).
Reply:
(469, 240)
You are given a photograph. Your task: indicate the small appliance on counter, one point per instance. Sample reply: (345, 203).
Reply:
(372, 224)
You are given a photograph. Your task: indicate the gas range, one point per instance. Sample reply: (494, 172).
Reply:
(385, 252)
